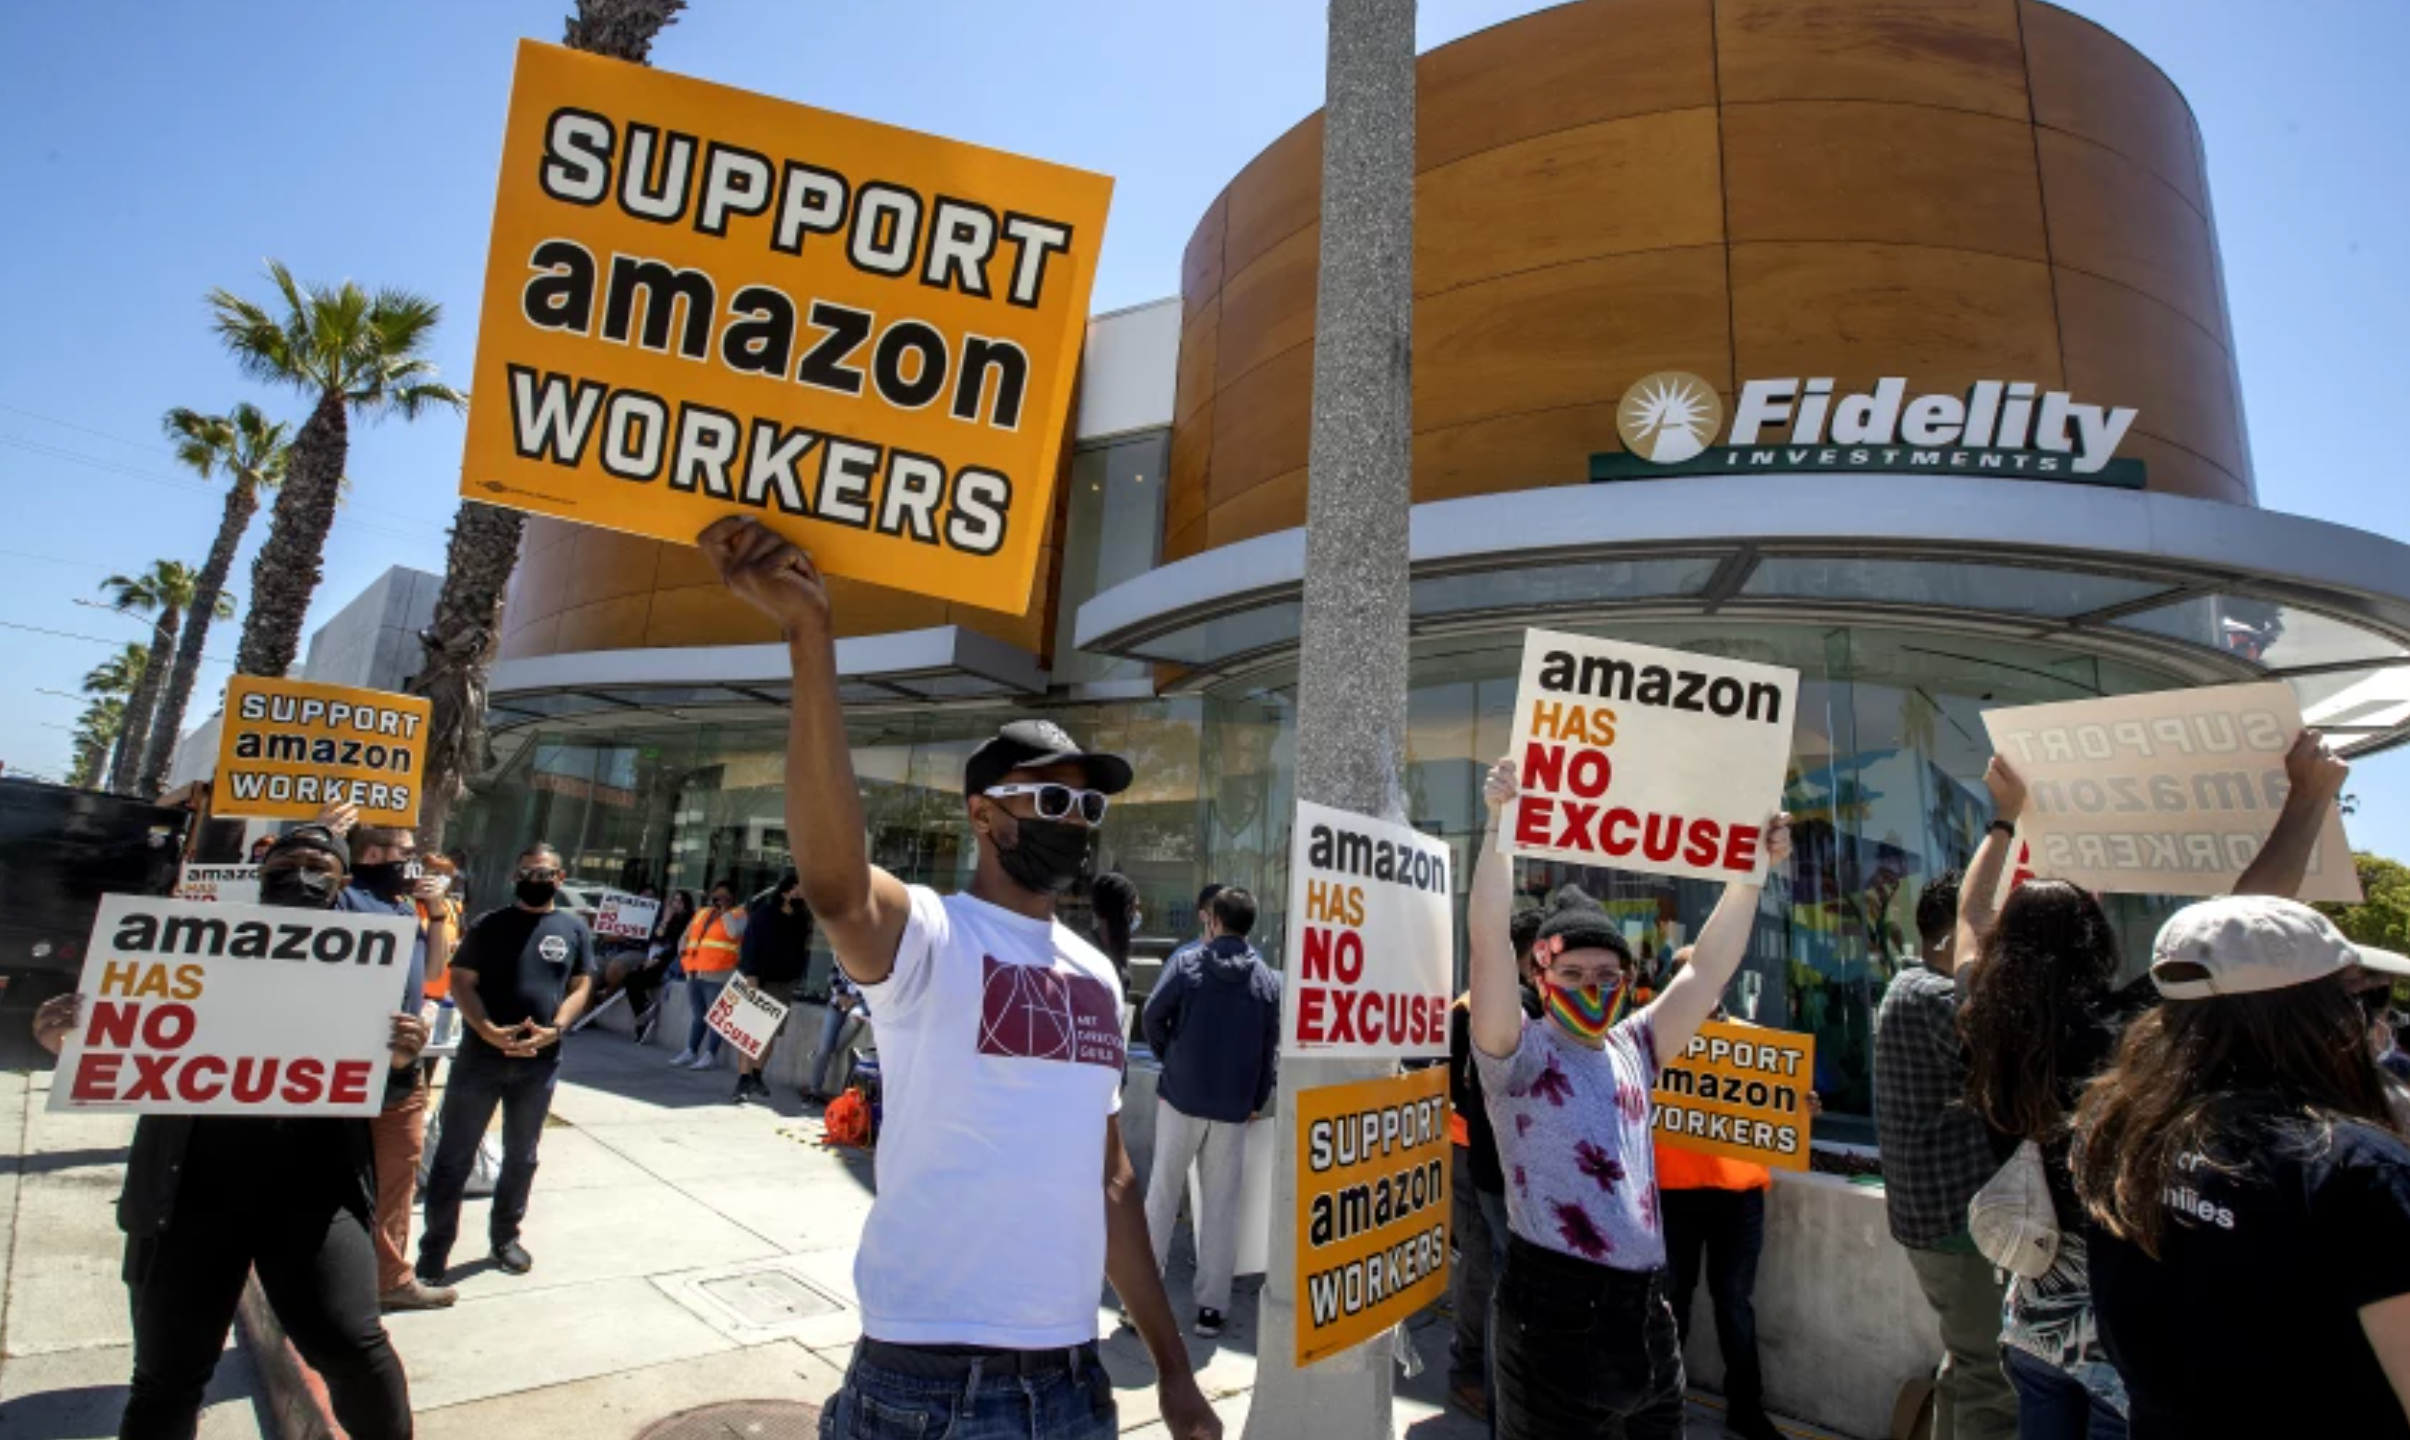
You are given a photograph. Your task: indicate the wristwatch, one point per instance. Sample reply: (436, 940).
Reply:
(2005, 827)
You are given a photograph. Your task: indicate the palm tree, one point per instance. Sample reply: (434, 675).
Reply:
(95, 730)
(109, 684)
(165, 591)
(251, 449)
(485, 540)
(350, 351)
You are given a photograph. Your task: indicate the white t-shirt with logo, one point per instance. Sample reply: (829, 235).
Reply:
(1000, 1050)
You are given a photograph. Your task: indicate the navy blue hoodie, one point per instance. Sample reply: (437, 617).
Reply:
(1214, 1023)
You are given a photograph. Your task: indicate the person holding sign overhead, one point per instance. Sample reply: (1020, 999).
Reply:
(1004, 1192)
(1583, 1339)
(209, 1199)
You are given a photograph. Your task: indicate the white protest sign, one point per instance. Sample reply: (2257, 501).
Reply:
(2169, 793)
(197, 1007)
(745, 1017)
(1660, 761)
(233, 884)
(626, 917)
(1371, 944)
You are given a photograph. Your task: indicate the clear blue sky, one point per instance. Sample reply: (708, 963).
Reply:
(151, 151)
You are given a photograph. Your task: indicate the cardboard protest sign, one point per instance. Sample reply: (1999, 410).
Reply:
(199, 1007)
(1659, 761)
(1372, 1207)
(1371, 947)
(235, 884)
(2169, 793)
(1740, 1092)
(289, 748)
(703, 302)
(745, 1017)
(626, 917)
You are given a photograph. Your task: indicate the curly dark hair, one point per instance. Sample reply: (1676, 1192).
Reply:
(2218, 1079)
(2036, 989)
(1937, 909)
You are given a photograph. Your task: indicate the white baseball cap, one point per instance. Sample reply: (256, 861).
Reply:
(2244, 944)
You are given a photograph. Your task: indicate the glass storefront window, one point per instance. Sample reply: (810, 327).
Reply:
(2262, 631)
(1111, 533)
(2016, 589)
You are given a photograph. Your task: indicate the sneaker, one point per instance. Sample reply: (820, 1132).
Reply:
(684, 1059)
(513, 1257)
(1209, 1323)
(416, 1294)
(743, 1093)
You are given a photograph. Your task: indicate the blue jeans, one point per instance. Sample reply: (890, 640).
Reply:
(828, 1060)
(878, 1403)
(703, 992)
(480, 1081)
(2054, 1405)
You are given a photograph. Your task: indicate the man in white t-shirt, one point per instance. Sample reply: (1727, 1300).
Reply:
(1004, 1193)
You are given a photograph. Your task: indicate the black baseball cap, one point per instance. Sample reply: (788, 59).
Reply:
(1041, 742)
(311, 837)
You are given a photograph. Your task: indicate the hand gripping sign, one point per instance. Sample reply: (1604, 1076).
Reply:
(2170, 793)
(1739, 1092)
(1370, 941)
(701, 302)
(1372, 1207)
(745, 1017)
(289, 749)
(195, 1007)
(1660, 761)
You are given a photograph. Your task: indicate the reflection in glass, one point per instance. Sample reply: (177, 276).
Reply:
(2262, 631)
(2014, 589)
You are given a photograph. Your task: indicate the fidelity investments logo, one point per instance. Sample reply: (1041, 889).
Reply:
(1670, 422)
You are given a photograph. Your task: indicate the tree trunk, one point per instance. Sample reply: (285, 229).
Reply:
(139, 704)
(485, 540)
(286, 574)
(88, 757)
(460, 648)
(242, 502)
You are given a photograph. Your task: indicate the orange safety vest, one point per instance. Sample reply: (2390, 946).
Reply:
(1689, 1170)
(708, 948)
(445, 916)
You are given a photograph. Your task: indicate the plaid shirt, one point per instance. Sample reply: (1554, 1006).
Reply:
(1936, 1152)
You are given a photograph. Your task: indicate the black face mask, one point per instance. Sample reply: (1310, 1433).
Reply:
(1047, 855)
(536, 894)
(298, 889)
(387, 880)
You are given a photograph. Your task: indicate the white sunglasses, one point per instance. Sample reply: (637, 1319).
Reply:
(1055, 802)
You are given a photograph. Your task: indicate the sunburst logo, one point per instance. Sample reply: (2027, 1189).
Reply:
(1669, 417)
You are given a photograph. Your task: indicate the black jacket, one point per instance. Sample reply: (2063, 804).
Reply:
(155, 1166)
(1213, 1022)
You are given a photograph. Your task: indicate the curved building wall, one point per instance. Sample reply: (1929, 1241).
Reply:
(1943, 189)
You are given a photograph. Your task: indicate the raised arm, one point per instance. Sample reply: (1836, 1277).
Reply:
(1690, 997)
(862, 907)
(1979, 891)
(2316, 775)
(1497, 997)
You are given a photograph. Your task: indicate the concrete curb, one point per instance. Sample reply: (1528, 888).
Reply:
(295, 1398)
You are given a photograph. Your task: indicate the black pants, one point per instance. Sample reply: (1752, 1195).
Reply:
(318, 1268)
(1579, 1350)
(1729, 1228)
(480, 1081)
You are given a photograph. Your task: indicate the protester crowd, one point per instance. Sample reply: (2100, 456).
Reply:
(2179, 1207)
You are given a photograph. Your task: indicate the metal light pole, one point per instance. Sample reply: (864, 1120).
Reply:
(1351, 714)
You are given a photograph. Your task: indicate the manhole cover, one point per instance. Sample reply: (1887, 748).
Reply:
(768, 1297)
(740, 1420)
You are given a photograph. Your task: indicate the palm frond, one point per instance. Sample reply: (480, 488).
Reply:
(262, 348)
(411, 401)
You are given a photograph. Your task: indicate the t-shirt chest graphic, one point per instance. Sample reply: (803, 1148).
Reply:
(1050, 1013)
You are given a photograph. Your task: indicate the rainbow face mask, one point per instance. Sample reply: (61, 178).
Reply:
(1587, 1013)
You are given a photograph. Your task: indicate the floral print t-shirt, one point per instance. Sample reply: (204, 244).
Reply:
(1573, 1138)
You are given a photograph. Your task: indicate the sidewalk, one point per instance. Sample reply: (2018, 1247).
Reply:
(688, 1253)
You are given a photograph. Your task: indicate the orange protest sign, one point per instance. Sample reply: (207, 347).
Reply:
(703, 302)
(289, 748)
(1739, 1092)
(1372, 1207)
